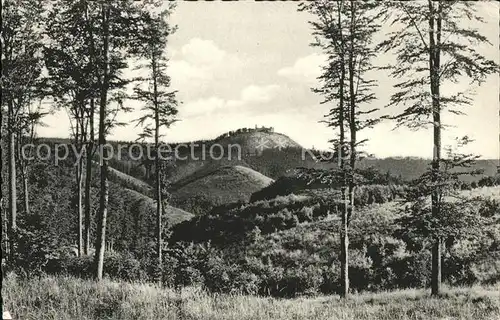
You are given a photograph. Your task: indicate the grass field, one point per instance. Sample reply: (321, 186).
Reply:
(70, 298)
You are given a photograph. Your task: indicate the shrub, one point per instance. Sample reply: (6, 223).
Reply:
(81, 267)
(412, 271)
(301, 281)
(184, 268)
(119, 266)
(123, 266)
(331, 279)
(35, 248)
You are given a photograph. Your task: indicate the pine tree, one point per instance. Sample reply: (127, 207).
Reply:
(160, 104)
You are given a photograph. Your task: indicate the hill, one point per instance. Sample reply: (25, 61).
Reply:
(408, 168)
(208, 189)
(292, 245)
(130, 182)
(131, 213)
(172, 215)
(270, 153)
(257, 141)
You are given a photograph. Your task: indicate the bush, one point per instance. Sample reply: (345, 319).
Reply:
(412, 271)
(81, 267)
(123, 266)
(119, 266)
(202, 265)
(35, 248)
(331, 280)
(301, 281)
(184, 265)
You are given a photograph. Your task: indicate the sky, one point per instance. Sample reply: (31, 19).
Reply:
(245, 63)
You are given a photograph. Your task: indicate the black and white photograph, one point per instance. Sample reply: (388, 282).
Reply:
(250, 160)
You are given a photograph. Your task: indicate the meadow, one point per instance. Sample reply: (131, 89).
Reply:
(68, 298)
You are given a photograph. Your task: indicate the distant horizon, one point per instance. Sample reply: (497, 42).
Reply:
(232, 70)
(275, 132)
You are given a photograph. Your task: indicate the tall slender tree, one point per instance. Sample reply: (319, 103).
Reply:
(90, 138)
(344, 31)
(90, 112)
(435, 46)
(2, 211)
(103, 81)
(70, 74)
(160, 104)
(21, 70)
(112, 37)
(29, 119)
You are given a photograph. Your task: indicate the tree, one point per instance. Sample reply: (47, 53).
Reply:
(2, 212)
(67, 60)
(103, 81)
(112, 35)
(433, 49)
(29, 118)
(21, 70)
(90, 150)
(459, 214)
(160, 102)
(344, 31)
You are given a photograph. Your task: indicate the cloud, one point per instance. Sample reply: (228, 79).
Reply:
(203, 52)
(306, 69)
(200, 64)
(201, 107)
(182, 71)
(258, 93)
(249, 96)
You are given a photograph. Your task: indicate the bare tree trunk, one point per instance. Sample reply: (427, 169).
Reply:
(100, 245)
(79, 178)
(344, 253)
(344, 240)
(157, 168)
(26, 199)
(12, 180)
(434, 66)
(88, 180)
(23, 169)
(103, 199)
(90, 145)
(4, 217)
(159, 211)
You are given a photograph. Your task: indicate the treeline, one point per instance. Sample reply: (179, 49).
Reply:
(227, 224)
(388, 186)
(245, 130)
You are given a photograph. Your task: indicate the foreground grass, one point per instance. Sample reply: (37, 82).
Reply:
(71, 299)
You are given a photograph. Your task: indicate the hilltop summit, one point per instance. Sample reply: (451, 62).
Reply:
(255, 140)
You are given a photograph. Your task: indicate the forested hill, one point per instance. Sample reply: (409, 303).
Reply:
(199, 182)
(273, 155)
(409, 168)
